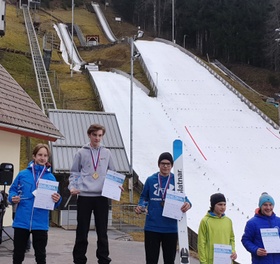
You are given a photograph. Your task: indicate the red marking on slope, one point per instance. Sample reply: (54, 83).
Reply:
(272, 133)
(195, 143)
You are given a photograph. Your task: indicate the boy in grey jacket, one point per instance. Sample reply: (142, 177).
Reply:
(86, 180)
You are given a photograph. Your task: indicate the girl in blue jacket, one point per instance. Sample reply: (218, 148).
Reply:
(29, 219)
(252, 239)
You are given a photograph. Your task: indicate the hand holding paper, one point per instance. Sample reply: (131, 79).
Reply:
(222, 254)
(271, 240)
(43, 194)
(112, 187)
(173, 204)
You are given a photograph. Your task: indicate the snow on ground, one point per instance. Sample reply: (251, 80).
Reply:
(228, 148)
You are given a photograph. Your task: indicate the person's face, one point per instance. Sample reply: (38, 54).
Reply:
(95, 138)
(220, 208)
(165, 167)
(267, 209)
(41, 157)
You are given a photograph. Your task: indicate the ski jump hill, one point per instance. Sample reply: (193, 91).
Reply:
(104, 24)
(229, 145)
(68, 48)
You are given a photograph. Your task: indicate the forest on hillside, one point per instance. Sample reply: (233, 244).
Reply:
(233, 31)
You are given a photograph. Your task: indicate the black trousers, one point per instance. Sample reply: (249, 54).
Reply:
(28, 244)
(168, 242)
(40, 240)
(100, 208)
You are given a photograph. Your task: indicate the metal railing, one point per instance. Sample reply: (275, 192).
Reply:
(125, 219)
(43, 83)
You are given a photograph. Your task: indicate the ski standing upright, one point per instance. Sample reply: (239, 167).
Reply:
(179, 187)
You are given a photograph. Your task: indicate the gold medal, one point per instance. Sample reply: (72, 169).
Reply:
(95, 163)
(95, 175)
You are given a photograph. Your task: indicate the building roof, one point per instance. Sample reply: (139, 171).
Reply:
(20, 114)
(73, 125)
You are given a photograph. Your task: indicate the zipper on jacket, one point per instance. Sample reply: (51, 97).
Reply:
(31, 218)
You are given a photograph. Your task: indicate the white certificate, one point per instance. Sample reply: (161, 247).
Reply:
(111, 188)
(271, 240)
(43, 194)
(172, 205)
(222, 254)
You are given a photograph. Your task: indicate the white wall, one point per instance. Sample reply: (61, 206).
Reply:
(9, 152)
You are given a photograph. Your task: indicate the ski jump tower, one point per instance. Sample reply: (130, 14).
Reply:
(29, 3)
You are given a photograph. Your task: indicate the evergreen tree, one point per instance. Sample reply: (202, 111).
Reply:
(229, 30)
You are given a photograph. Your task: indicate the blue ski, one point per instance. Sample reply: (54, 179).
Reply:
(179, 187)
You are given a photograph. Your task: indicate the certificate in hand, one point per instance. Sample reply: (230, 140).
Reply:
(111, 188)
(222, 254)
(172, 205)
(43, 194)
(271, 240)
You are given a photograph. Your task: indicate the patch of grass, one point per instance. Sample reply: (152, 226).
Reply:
(137, 236)
(86, 20)
(258, 100)
(15, 35)
(21, 69)
(123, 28)
(256, 77)
(116, 56)
(110, 56)
(75, 92)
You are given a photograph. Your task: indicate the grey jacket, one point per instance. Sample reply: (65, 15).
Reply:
(81, 174)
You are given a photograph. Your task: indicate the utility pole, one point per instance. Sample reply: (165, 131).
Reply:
(173, 21)
(133, 56)
(72, 51)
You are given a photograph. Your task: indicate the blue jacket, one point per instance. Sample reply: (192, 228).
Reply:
(252, 239)
(152, 196)
(28, 217)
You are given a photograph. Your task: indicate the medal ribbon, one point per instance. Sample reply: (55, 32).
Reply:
(163, 194)
(40, 176)
(95, 159)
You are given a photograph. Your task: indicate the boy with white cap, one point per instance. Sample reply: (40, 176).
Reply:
(252, 239)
